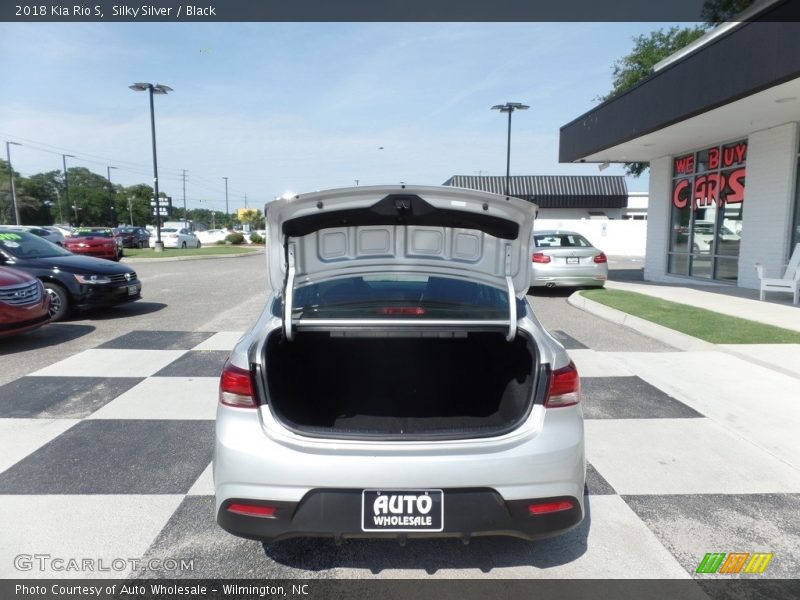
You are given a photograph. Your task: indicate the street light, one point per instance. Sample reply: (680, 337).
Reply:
(226, 198)
(64, 158)
(154, 89)
(509, 107)
(11, 178)
(111, 193)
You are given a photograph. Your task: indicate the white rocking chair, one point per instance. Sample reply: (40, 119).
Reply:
(789, 283)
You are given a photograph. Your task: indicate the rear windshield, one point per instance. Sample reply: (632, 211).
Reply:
(400, 295)
(561, 240)
(26, 245)
(106, 233)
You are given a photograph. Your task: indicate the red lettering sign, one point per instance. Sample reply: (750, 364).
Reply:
(713, 158)
(684, 165)
(736, 187)
(680, 193)
(734, 155)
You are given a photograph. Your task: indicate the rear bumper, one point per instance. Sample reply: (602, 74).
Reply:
(337, 513)
(543, 459)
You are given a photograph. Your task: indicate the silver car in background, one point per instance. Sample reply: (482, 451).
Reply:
(397, 383)
(566, 258)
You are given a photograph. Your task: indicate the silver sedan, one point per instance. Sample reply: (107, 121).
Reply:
(566, 258)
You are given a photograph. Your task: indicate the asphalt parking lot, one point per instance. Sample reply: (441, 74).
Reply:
(106, 431)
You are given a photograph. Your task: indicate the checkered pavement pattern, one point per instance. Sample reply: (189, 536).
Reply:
(106, 454)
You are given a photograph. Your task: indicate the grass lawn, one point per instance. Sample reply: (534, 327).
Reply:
(698, 322)
(204, 251)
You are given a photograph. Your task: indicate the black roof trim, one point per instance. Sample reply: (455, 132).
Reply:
(553, 191)
(750, 58)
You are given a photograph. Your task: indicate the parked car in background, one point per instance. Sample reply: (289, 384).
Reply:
(24, 305)
(71, 281)
(704, 238)
(566, 258)
(177, 238)
(397, 383)
(94, 241)
(212, 236)
(47, 233)
(134, 237)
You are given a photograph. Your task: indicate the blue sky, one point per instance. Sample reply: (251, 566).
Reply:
(277, 107)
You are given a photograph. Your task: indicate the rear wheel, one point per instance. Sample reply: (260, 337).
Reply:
(141, 244)
(183, 245)
(198, 243)
(59, 301)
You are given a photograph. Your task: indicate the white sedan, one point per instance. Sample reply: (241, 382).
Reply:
(176, 238)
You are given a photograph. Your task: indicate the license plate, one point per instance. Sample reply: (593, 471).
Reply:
(573, 261)
(133, 290)
(402, 510)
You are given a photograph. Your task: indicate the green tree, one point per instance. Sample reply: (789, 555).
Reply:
(252, 217)
(134, 200)
(42, 192)
(651, 48)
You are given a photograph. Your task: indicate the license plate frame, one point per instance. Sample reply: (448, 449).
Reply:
(402, 524)
(133, 290)
(573, 260)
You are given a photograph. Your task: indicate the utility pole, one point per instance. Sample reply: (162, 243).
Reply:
(11, 177)
(227, 214)
(185, 216)
(64, 158)
(245, 200)
(111, 191)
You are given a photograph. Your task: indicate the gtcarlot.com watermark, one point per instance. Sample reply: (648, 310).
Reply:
(48, 562)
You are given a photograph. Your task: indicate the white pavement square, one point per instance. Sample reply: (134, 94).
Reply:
(204, 486)
(598, 364)
(80, 527)
(224, 340)
(113, 363)
(755, 402)
(165, 398)
(683, 456)
(20, 437)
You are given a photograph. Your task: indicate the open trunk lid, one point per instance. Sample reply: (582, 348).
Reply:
(450, 231)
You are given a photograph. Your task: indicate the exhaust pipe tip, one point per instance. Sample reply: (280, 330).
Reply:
(550, 284)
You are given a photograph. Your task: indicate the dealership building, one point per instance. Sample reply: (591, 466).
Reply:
(719, 123)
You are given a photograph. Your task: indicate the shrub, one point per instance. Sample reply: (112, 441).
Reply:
(235, 238)
(220, 242)
(256, 239)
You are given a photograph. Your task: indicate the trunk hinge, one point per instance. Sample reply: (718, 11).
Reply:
(512, 299)
(288, 293)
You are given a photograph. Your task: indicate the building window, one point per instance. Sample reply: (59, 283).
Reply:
(706, 213)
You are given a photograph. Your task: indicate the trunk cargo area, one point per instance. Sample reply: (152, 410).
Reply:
(471, 386)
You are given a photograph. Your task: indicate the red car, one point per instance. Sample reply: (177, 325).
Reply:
(23, 303)
(99, 242)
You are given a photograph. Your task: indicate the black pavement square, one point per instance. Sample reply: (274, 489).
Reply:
(629, 398)
(157, 340)
(596, 485)
(60, 397)
(116, 457)
(569, 342)
(691, 525)
(196, 363)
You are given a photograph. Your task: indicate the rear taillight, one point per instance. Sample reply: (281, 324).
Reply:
(236, 387)
(252, 510)
(542, 508)
(565, 387)
(601, 258)
(540, 257)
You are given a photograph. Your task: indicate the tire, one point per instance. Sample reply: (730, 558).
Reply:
(198, 244)
(183, 245)
(141, 244)
(59, 301)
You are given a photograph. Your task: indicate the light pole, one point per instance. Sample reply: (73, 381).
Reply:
(11, 178)
(154, 89)
(64, 158)
(226, 198)
(509, 107)
(111, 192)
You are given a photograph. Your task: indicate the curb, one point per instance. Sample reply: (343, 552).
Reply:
(134, 260)
(665, 335)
